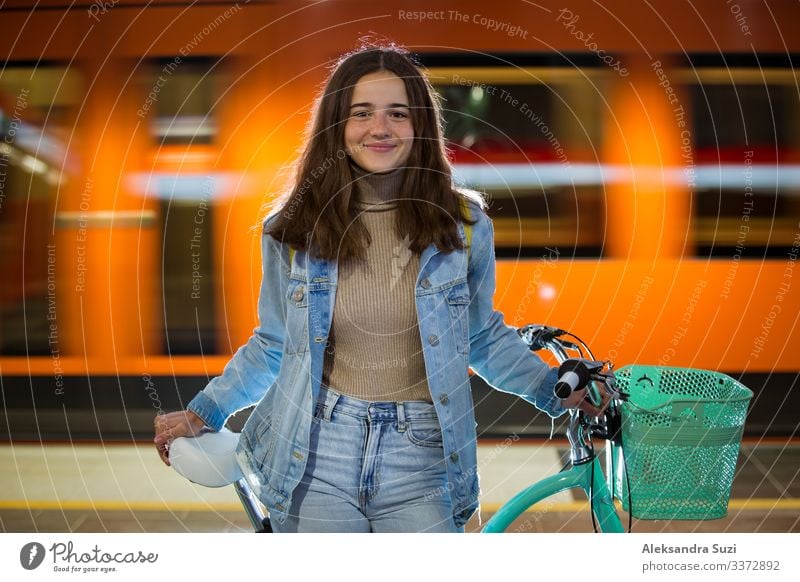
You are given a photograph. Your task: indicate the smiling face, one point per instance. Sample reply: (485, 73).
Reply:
(378, 133)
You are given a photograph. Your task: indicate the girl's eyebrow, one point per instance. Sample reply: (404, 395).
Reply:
(390, 106)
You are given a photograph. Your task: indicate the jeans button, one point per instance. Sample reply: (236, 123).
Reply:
(454, 457)
(297, 296)
(444, 399)
(433, 340)
(425, 284)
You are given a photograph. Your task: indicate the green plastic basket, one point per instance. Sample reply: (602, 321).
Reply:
(681, 430)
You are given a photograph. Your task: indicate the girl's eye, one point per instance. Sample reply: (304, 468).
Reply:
(364, 114)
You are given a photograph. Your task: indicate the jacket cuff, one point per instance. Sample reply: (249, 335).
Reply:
(548, 401)
(208, 411)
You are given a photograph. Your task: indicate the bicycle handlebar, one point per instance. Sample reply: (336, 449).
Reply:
(577, 372)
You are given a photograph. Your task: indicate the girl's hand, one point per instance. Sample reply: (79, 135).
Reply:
(577, 400)
(172, 425)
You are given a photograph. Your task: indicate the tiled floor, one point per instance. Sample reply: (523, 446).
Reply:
(125, 488)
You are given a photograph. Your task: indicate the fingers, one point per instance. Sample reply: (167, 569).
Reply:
(163, 453)
(593, 410)
(589, 408)
(162, 439)
(578, 400)
(168, 427)
(172, 425)
(574, 400)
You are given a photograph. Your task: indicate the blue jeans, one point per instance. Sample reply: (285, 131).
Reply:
(372, 467)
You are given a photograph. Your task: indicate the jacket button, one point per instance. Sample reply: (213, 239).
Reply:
(297, 296)
(425, 284)
(297, 455)
(454, 457)
(444, 399)
(433, 340)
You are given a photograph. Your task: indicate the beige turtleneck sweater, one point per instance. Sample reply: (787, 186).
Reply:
(375, 352)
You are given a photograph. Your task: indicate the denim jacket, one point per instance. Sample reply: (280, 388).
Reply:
(280, 366)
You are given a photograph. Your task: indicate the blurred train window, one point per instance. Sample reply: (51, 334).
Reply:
(188, 275)
(180, 97)
(530, 138)
(746, 138)
(37, 105)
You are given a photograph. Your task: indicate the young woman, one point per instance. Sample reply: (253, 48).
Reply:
(378, 279)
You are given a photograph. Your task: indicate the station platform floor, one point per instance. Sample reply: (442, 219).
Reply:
(123, 487)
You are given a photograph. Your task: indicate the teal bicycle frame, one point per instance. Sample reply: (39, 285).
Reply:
(585, 473)
(587, 476)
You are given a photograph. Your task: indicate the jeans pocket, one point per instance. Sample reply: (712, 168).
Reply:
(424, 434)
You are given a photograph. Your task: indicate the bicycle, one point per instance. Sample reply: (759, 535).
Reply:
(585, 472)
(208, 459)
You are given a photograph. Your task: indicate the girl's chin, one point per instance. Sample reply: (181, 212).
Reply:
(377, 166)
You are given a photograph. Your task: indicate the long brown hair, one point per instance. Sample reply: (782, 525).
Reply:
(319, 212)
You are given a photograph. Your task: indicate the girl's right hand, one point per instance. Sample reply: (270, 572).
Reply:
(172, 425)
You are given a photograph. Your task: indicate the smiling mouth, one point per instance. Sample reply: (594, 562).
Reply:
(380, 147)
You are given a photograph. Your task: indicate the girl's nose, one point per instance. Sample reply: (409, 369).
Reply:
(379, 124)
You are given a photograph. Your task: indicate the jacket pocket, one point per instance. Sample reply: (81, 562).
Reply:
(265, 440)
(259, 432)
(296, 317)
(457, 298)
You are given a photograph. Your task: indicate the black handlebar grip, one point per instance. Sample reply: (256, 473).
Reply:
(572, 375)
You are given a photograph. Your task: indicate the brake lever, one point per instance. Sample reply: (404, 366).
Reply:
(537, 335)
(568, 345)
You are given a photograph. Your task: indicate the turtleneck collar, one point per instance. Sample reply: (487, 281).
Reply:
(374, 188)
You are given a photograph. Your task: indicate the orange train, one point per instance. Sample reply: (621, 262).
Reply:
(641, 163)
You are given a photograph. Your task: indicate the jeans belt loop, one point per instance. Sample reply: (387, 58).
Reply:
(401, 417)
(331, 398)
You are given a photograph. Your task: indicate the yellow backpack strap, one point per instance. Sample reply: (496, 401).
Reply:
(291, 256)
(467, 227)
